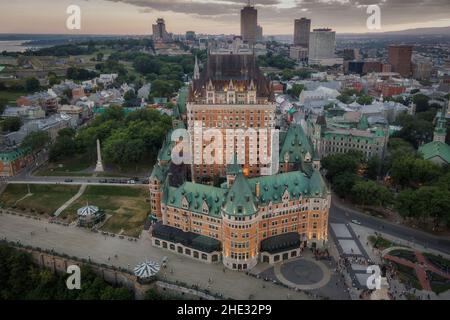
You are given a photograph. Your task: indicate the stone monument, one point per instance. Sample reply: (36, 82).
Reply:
(99, 166)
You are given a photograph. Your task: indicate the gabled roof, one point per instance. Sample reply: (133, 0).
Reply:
(196, 194)
(317, 185)
(158, 172)
(295, 144)
(435, 149)
(272, 188)
(12, 155)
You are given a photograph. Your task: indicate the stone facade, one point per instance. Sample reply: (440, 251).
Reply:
(249, 216)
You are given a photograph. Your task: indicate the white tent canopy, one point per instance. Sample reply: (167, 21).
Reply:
(146, 269)
(87, 211)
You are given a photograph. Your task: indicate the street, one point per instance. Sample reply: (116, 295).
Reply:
(344, 215)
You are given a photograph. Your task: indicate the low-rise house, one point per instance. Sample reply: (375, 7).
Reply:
(51, 125)
(321, 93)
(25, 113)
(78, 113)
(48, 100)
(144, 91)
(14, 160)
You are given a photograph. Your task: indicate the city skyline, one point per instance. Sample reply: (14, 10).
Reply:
(277, 17)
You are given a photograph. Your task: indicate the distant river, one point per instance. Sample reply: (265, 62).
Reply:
(14, 46)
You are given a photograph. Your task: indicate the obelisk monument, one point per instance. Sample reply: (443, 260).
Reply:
(99, 166)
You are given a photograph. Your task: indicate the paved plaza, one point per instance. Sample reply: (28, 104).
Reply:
(82, 243)
(317, 277)
(349, 247)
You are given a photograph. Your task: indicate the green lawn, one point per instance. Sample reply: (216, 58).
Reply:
(438, 261)
(68, 167)
(11, 96)
(404, 254)
(438, 284)
(45, 199)
(126, 205)
(380, 242)
(408, 275)
(13, 193)
(78, 167)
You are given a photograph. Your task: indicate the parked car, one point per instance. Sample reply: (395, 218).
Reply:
(68, 180)
(356, 222)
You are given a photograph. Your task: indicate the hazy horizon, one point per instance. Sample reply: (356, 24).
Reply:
(135, 17)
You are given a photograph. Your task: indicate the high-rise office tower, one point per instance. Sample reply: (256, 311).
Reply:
(322, 44)
(302, 29)
(259, 33)
(159, 31)
(249, 24)
(400, 59)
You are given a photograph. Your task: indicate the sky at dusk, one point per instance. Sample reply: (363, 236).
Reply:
(216, 16)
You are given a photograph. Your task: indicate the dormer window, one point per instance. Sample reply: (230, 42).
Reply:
(205, 208)
(185, 203)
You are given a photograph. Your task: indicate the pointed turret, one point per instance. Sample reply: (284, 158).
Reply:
(196, 70)
(240, 200)
(440, 130)
(317, 185)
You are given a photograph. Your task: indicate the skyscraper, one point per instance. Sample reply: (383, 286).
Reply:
(400, 59)
(159, 31)
(302, 29)
(322, 46)
(249, 24)
(259, 33)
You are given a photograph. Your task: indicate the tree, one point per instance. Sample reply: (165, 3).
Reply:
(3, 104)
(32, 84)
(64, 146)
(145, 64)
(100, 56)
(421, 101)
(364, 100)
(414, 130)
(11, 124)
(341, 163)
(413, 172)
(373, 167)
(129, 95)
(425, 203)
(343, 183)
(371, 193)
(36, 140)
(297, 90)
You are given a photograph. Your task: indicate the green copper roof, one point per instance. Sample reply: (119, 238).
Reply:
(317, 185)
(165, 153)
(363, 123)
(12, 155)
(295, 144)
(272, 188)
(240, 200)
(158, 172)
(435, 149)
(234, 168)
(196, 194)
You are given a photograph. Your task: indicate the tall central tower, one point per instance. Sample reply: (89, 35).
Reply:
(249, 24)
(231, 93)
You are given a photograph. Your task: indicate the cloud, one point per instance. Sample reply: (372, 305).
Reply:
(330, 13)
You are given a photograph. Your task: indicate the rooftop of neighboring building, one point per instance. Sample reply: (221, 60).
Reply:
(435, 149)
